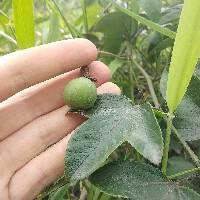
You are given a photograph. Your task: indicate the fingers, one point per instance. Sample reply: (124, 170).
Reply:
(36, 136)
(47, 167)
(40, 99)
(39, 172)
(25, 68)
(109, 88)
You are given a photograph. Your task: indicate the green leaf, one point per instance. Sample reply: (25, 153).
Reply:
(177, 164)
(135, 7)
(54, 32)
(3, 18)
(24, 22)
(115, 26)
(146, 22)
(49, 191)
(139, 181)
(185, 54)
(152, 8)
(171, 15)
(72, 30)
(112, 121)
(156, 43)
(187, 117)
(93, 12)
(115, 64)
(59, 195)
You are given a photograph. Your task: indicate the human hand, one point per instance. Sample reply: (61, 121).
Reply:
(34, 130)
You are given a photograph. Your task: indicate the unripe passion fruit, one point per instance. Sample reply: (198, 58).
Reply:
(80, 93)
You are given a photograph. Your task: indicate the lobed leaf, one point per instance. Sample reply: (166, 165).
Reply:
(112, 121)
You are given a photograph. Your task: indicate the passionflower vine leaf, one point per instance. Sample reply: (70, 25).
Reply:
(112, 121)
(139, 181)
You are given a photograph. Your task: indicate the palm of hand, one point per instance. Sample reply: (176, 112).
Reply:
(34, 130)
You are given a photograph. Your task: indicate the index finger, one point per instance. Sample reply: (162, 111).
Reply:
(28, 67)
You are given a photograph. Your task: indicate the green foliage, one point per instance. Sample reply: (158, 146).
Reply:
(178, 164)
(152, 25)
(185, 54)
(139, 181)
(152, 8)
(187, 119)
(3, 17)
(59, 195)
(54, 32)
(135, 39)
(112, 121)
(116, 64)
(109, 25)
(24, 22)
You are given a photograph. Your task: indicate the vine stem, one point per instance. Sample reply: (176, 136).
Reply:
(129, 62)
(167, 143)
(149, 82)
(183, 173)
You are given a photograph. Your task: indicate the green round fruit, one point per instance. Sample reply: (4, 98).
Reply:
(80, 93)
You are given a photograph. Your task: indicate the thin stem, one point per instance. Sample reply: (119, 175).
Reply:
(105, 53)
(129, 62)
(7, 37)
(192, 155)
(83, 4)
(64, 19)
(149, 82)
(183, 173)
(166, 144)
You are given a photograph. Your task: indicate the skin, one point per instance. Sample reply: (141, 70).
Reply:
(32, 148)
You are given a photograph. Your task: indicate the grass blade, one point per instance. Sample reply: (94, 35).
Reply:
(185, 53)
(150, 24)
(24, 22)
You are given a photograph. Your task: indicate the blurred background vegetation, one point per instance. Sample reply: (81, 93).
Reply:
(117, 36)
(135, 53)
